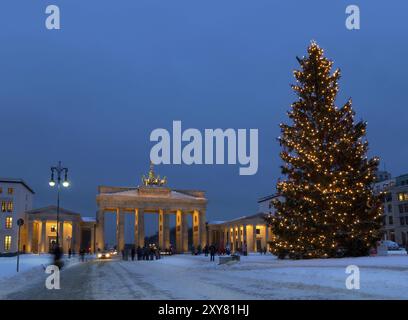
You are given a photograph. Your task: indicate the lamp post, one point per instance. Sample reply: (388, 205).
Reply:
(58, 171)
(94, 239)
(20, 223)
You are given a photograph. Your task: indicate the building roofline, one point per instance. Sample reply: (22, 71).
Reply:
(88, 219)
(53, 207)
(21, 181)
(259, 214)
(216, 222)
(269, 197)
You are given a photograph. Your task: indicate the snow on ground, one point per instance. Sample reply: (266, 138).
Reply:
(28, 262)
(195, 277)
(258, 277)
(32, 269)
(8, 265)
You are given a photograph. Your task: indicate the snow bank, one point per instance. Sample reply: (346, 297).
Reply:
(196, 277)
(266, 277)
(32, 271)
(8, 265)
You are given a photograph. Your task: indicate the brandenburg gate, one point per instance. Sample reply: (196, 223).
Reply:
(152, 197)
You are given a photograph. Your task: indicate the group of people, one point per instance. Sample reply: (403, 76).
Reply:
(58, 255)
(213, 250)
(207, 250)
(151, 252)
(82, 253)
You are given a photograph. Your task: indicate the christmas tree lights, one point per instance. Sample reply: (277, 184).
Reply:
(326, 206)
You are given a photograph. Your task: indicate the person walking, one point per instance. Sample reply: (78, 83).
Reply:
(82, 254)
(69, 253)
(133, 253)
(206, 250)
(244, 249)
(58, 261)
(212, 253)
(139, 252)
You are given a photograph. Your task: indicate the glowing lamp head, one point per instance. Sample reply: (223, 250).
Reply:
(52, 183)
(65, 184)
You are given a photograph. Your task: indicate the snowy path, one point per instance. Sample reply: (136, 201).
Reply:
(256, 277)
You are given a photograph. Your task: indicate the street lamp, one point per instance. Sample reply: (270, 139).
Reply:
(59, 170)
(20, 223)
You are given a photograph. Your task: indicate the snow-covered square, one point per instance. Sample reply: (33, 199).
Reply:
(195, 277)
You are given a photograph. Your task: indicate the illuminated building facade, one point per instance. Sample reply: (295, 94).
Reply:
(16, 197)
(40, 231)
(249, 231)
(153, 197)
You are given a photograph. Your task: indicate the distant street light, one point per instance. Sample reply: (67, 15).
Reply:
(65, 184)
(59, 170)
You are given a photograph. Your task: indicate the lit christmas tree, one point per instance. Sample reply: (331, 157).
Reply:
(326, 206)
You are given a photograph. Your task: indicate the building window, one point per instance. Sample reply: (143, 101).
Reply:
(389, 208)
(403, 196)
(9, 222)
(7, 243)
(1, 190)
(384, 220)
(401, 208)
(3, 206)
(402, 221)
(406, 220)
(406, 207)
(10, 206)
(390, 220)
(258, 231)
(10, 190)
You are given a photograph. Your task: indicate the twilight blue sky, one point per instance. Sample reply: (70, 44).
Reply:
(91, 93)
